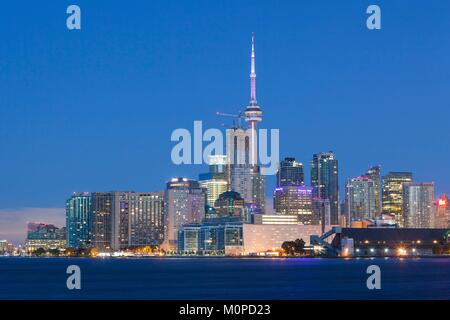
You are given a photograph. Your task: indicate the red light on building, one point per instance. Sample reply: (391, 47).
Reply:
(442, 202)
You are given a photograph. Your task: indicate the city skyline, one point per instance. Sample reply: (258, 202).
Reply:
(49, 197)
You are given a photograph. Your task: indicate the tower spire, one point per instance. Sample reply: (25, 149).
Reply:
(253, 113)
(253, 74)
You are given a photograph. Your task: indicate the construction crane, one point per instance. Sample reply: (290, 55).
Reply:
(237, 123)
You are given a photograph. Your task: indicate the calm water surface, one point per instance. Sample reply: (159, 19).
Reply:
(224, 278)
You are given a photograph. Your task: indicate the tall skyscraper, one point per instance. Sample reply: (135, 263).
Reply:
(215, 181)
(392, 194)
(290, 173)
(110, 220)
(78, 220)
(120, 219)
(360, 199)
(146, 218)
(418, 205)
(375, 174)
(325, 180)
(295, 200)
(102, 224)
(242, 151)
(185, 202)
(442, 212)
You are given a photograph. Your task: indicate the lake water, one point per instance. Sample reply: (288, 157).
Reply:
(224, 278)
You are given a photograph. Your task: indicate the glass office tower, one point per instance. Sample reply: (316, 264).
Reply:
(392, 194)
(78, 220)
(324, 179)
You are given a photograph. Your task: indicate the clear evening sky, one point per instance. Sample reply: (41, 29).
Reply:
(93, 110)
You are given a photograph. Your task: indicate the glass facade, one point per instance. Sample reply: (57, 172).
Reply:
(78, 218)
(290, 173)
(102, 221)
(418, 206)
(45, 236)
(325, 180)
(360, 199)
(375, 174)
(392, 194)
(215, 181)
(210, 237)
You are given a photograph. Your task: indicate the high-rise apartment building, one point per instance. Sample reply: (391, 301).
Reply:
(116, 220)
(418, 205)
(375, 175)
(442, 212)
(360, 199)
(392, 194)
(325, 180)
(146, 218)
(295, 200)
(78, 220)
(103, 219)
(185, 202)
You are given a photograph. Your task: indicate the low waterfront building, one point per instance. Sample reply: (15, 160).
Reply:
(6, 248)
(233, 237)
(45, 236)
(260, 238)
(211, 236)
(389, 241)
(384, 221)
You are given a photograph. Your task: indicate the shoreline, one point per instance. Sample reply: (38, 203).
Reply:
(231, 257)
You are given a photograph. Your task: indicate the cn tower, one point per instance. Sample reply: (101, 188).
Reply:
(253, 113)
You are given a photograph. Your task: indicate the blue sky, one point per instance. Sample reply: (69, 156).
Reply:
(93, 110)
